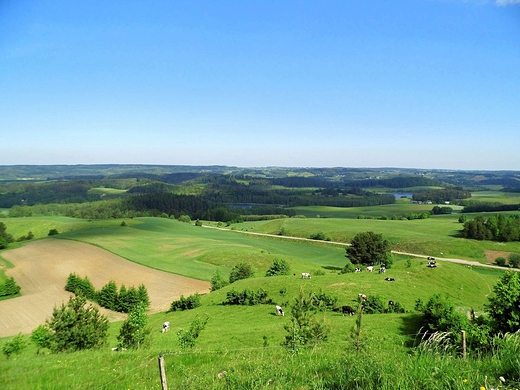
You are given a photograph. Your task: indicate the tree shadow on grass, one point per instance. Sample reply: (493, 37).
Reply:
(411, 327)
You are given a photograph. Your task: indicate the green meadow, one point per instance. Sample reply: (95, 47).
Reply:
(245, 341)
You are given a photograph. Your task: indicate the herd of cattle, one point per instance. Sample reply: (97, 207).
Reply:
(344, 309)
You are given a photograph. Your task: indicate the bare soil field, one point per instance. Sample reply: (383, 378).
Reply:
(42, 268)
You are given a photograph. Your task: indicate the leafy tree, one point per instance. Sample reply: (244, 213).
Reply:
(501, 261)
(217, 281)
(504, 304)
(368, 248)
(75, 327)
(134, 333)
(14, 346)
(279, 267)
(241, 271)
(5, 238)
(53, 232)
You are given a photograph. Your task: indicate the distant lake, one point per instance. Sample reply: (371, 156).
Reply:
(403, 195)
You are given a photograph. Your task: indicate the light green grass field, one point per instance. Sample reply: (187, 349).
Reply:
(245, 341)
(436, 236)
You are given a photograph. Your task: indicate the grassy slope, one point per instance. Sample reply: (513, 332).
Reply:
(235, 336)
(435, 236)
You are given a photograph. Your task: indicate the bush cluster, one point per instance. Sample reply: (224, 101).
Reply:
(9, 287)
(279, 267)
(124, 300)
(247, 297)
(183, 303)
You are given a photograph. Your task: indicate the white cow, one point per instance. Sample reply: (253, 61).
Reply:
(166, 326)
(306, 275)
(370, 268)
(279, 311)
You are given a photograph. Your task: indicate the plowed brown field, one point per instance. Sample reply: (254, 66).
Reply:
(42, 268)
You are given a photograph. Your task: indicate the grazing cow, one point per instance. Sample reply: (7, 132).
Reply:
(390, 279)
(370, 268)
(279, 311)
(390, 303)
(382, 269)
(358, 269)
(363, 296)
(431, 263)
(347, 310)
(306, 275)
(431, 258)
(166, 326)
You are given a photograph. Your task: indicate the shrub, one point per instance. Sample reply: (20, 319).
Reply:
(14, 346)
(241, 271)
(9, 287)
(324, 301)
(348, 268)
(373, 305)
(217, 281)
(514, 260)
(188, 338)
(304, 329)
(53, 232)
(183, 303)
(501, 261)
(317, 236)
(42, 337)
(279, 267)
(246, 297)
(440, 316)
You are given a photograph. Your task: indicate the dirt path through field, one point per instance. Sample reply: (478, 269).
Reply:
(41, 270)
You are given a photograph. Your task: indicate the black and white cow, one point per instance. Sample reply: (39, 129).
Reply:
(306, 275)
(279, 311)
(166, 326)
(358, 269)
(370, 268)
(347, 310)
(382, 269)
(390, 279)
(363, 296)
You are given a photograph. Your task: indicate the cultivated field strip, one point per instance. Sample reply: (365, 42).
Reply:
(42, 267)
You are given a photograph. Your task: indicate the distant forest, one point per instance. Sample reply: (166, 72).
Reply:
(222, 193)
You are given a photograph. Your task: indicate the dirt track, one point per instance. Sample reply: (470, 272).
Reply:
(41, 270)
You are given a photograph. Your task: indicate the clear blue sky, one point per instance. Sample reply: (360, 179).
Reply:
(361, 83)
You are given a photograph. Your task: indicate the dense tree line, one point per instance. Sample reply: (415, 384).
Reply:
(394, 182)
(124, 300)
(480, 207)
(441, 196)
(497, 228)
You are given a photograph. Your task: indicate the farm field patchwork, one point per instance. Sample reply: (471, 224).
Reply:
(41, 268)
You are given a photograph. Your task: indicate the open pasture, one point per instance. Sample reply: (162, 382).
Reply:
(245, 341)
(397, 209)
(436, 236)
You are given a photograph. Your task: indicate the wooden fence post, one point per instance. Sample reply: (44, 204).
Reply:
(463, 344)
(162, 373)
